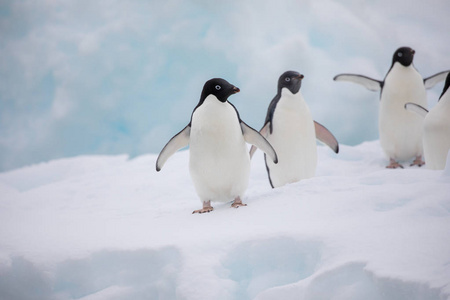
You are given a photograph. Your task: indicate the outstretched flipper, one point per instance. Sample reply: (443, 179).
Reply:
(367, 82)
(418, 109)
(431, 81)
(180, 140)
(264, 132)
(326, 137)
(253, 137)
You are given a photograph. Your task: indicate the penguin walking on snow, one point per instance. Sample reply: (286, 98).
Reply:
(290, 129)
(436, 129)
(400, 130)
(219, 162)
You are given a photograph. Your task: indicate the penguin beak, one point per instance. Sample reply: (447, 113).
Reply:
(236, 90)
(413, 51)
(300, 76)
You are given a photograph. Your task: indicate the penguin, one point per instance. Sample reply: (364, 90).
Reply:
(290, 129)
(436, 129)
(219, 162)
(400, 131)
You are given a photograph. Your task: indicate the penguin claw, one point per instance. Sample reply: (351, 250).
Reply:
(418, 162)
(237, 202)
(206, 208)
(394, 165)
(203, 210)
(236, 205)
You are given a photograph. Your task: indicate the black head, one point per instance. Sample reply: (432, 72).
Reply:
(447, 84)
(218, 87)
(291, 80)
(403, 55)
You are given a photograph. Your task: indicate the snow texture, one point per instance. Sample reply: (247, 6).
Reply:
(112, 228)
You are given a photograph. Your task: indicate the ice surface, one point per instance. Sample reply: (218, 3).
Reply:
(109, 227)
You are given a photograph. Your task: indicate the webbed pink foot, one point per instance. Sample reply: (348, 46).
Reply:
(418, 161)
(394, 165)
(206, 208)
(237, 202)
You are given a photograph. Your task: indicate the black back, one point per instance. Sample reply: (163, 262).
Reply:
(292, 81)
(446, 85)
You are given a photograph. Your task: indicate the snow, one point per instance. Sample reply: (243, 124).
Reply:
(110, 227)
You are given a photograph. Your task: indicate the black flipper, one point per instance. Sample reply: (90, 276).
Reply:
(180, 140)
(253, 137)
(326, 137)
(264, 132)
(367, 82)
(418, 109)
(432, 80)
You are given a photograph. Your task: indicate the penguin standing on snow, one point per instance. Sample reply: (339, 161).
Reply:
(400, 130)
(290, 129)
(436, 129)
(219, 162)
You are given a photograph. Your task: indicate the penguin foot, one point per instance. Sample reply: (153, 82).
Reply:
(203, 210)
(418, 161)
(237, 202)
(394, 165)
(236, 205)
(206, 208)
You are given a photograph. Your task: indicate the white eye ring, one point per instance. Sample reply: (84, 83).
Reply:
(400, 54)
(287, 79)
(218, 87)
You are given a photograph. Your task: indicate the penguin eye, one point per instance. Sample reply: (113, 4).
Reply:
(287, 79)
(399, 54)
(218, 87)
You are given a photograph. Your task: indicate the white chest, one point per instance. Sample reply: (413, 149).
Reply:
(436, 134)
(219, 161)
(402, 85)
(440, 114)
(401, 130)
(215, 124)
(294, 140)
(292, 122)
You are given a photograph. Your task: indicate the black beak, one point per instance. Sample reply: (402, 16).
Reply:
(413, 51)
(300, 76)
(236, 90)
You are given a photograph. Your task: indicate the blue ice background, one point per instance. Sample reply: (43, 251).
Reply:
(109, 77)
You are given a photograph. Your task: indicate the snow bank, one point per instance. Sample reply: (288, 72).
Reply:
(107, 227)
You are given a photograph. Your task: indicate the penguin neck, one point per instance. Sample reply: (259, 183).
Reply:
(285, 92)
(403, 74)
(211, 100)
(398, 67)
(213, 112)
(289, 101)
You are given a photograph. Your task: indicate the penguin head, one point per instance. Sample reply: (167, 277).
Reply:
(446, 86)
(218, 87)
(291, 80)
(404, 55)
